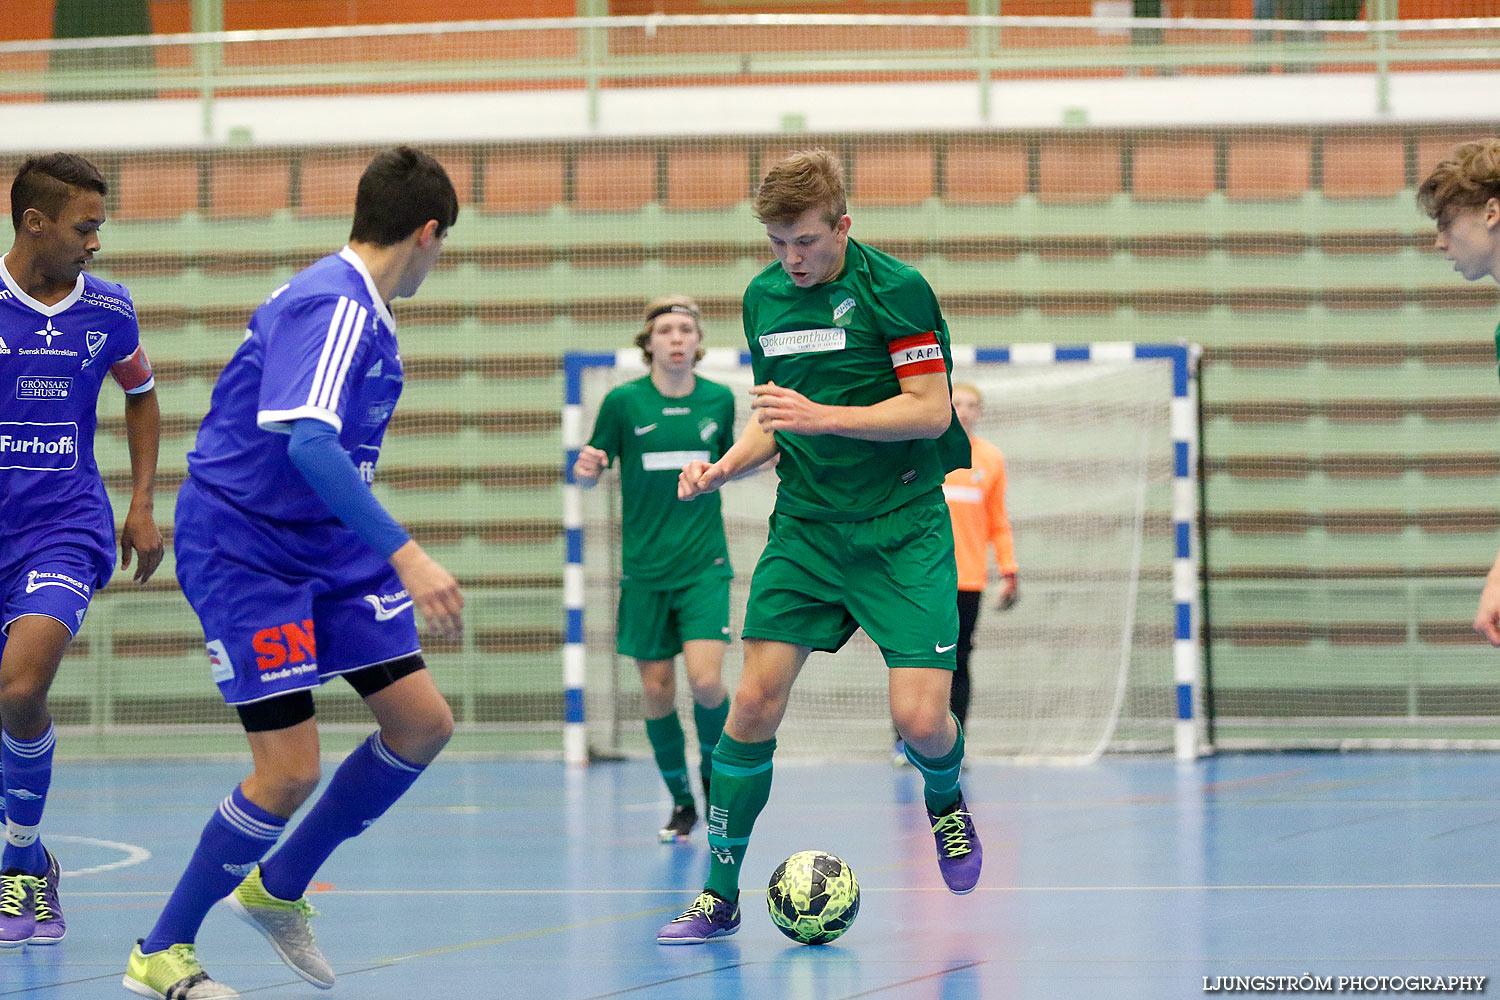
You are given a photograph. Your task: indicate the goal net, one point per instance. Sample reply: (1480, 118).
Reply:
(1082, 664)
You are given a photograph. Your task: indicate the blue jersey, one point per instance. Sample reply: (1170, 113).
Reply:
(53, 360)
(322, 346)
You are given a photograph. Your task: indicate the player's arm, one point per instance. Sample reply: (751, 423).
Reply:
(1002, 539)
(922, 409)
(753, 448)
(315, 451)
(139, 535)
(1487, 621)
(594, 457)
(589, 466)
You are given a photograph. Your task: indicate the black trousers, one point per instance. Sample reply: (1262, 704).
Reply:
(968, 616)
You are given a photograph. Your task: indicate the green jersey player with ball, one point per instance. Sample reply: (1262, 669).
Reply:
(851, 361)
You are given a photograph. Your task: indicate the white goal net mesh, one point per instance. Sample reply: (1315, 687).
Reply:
(1081, 664)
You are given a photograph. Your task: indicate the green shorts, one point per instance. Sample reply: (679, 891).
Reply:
(893, 575)
(653, 624)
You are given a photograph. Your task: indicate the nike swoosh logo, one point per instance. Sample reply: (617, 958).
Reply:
(645, 430)
(383, 613)
(944, 649)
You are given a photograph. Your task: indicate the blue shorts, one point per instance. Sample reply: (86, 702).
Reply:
(266, 592)
(53, 574)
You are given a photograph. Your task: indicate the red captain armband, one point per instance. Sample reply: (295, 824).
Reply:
(134, 372)
(919, 354)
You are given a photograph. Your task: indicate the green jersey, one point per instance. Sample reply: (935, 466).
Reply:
(848, 342)
(650, 437)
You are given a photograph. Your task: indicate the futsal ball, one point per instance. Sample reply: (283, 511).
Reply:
(813, 897)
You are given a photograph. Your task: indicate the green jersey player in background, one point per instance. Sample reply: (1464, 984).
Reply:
(675, 572)
(851, 361)
(1462, 195)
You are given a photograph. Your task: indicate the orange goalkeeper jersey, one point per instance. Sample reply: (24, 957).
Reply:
(976, 502)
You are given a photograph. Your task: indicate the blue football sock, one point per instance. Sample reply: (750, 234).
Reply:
(2, 789)
(366, 784)
(28, 774)
(239, 833)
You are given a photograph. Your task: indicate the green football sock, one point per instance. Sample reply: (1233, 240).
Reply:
(710, 725)
(739, 790)
(940, 775)
(670, 748)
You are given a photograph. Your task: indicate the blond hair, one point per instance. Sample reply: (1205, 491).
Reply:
(968, 387)
(660, 307)
(1467, 179)
(808, 178)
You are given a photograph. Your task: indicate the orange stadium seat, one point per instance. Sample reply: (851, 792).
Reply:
(1074, 170)
(617, 181)
(459, 163)
(1173, 168)
(1364, 166)
(1268, 168)
(1434, 147)
(156, 186)
(329, 181)
(707, 176)
(520, 182)
(772, 153)
(247, 186)
(984, 172)
(893, 173)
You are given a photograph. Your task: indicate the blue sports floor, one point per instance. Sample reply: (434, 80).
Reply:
(1131, 878)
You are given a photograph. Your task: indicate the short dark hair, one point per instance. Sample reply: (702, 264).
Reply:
(400, 192)
(46, 183)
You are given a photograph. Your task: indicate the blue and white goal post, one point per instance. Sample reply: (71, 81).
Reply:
(1101, 653)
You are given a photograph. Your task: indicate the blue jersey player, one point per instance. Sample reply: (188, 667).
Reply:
(62, 332)
(298, 575)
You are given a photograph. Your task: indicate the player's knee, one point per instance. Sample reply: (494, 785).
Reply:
(921, 724)
(658, 684)
(754, 719)
(658, 690)
(438, 730)
(421, 737)
(709, 695)
(288, 786)
(23, 698)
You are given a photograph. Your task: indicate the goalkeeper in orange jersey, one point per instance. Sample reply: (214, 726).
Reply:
(976, 502)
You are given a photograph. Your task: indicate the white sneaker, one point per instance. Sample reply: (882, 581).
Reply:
(898, 755)
(286, 924)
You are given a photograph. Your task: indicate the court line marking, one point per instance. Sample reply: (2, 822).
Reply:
(134, 854)
(60, 983)
(915, 979)
(1007, 889)
(664, 982)
(524, 935)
